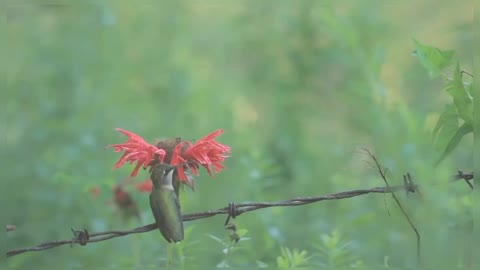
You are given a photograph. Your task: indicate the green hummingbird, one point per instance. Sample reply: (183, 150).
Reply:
(165, 204)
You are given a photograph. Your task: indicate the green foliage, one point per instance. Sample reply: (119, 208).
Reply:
(231, 246)
(298, 87)
(456, 120)
(292, 259)
(183, 253)
(333, 251)
(434, 60)
(462, 98)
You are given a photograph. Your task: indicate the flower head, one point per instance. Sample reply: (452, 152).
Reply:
(137, 150)
(186, 155)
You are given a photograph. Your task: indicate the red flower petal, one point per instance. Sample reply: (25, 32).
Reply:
(207, 152)
(137, 150)
(177, 159)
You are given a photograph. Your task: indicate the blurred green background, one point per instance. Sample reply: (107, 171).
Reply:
(298, 86)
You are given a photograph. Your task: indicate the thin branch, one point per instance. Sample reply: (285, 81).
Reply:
(406, 179)
(466, 72)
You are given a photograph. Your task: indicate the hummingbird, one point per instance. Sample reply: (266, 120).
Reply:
(165, 204)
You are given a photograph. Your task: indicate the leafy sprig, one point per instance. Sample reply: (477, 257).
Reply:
(456, 119)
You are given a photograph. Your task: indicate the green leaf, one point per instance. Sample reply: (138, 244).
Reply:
(462, 131)
(433, 59)
(289, 259)
(242, 232)
(261, 264)
(446, 127)
(217, 239)
(461, 97)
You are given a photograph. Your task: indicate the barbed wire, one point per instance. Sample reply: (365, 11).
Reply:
(233, 210)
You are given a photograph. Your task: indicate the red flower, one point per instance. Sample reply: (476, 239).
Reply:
(144, 186)
(206, 152)
(137, 150)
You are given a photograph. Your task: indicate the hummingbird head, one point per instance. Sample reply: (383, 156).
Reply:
(164, 175)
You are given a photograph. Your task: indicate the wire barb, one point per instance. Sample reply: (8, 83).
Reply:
(465, 176)
(80, 236)
(232, 212)
(410, 187)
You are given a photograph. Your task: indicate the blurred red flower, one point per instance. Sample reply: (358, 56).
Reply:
(144, 186)
(125, 203)
(95, 191)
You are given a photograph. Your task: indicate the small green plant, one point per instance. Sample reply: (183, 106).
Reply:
(290, 259)
(456, 120)
(333, 251)
(184, 250)
(231, 244)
